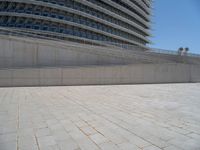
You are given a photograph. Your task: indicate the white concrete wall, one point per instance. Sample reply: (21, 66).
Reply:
(90, 75)
(195, 73)
(21, 52)
(28, 52)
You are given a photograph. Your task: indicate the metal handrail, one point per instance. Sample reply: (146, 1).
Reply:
(171, 52)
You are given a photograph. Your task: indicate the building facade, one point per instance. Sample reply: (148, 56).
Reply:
(111, 21)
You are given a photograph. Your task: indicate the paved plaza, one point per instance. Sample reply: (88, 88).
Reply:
(122, 117)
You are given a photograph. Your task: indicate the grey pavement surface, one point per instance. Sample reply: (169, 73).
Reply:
(124, 117)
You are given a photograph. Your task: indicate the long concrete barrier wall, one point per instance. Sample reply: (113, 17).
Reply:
(27, 52)
(100, 75)
(30, 52)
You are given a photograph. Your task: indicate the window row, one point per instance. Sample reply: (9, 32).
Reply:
(78, 6)
(117, 11)
(136, 3)
(55, 27)
(129, 8)
(44, 11)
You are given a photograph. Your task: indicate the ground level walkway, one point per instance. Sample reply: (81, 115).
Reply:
(125, 117)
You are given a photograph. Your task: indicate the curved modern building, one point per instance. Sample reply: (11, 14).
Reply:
(111, 21)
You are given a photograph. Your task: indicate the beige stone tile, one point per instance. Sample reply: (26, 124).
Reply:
(43, 132)
(69, 144)
(128, 146)
(109, 146)
(88, 130)
(151, 148)
(98, 138)
(101, 117)
(46, 141)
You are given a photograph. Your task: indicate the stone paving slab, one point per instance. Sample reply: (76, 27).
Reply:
(120, 117)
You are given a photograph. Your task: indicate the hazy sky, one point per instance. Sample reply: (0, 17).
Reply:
(176, 23)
